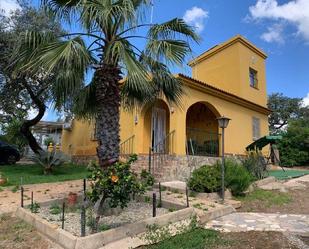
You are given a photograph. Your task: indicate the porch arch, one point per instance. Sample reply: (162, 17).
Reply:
(202, 131)
(156, 120)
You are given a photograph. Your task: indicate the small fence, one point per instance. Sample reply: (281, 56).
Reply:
(202, 143)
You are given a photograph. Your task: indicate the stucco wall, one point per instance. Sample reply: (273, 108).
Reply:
(237, 136)
(229, 70)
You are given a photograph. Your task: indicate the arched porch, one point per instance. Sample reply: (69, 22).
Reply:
(202, 131)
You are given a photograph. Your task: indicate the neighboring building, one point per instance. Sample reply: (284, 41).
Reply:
(227, 80)
(44, 130)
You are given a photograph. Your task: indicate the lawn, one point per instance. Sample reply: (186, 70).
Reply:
(287, 174)
(33, 173)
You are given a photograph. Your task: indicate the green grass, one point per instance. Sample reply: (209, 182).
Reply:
(281, 175)
(270, 198)
(34, 173)
(196, 239)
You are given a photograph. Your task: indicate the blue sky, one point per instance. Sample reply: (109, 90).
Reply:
(279, 27)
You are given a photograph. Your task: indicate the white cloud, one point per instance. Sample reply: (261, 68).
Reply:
(306, 100)
(295, 12)
(196, 17)
(8, 6)
(274, 34)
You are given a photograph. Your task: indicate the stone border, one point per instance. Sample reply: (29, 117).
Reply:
(94, 241)
(98, 240)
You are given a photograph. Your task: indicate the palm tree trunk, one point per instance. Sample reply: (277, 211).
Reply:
(108, 104)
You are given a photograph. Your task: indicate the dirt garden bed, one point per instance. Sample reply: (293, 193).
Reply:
(136, 211)
(118, 225)
(129, 222)
(273, 201)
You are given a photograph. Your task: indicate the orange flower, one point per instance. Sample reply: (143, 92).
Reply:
(114, 178)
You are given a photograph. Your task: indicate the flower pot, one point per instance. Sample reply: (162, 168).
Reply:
(2, 181)
(72, 199)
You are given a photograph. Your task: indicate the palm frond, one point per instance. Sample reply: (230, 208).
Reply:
(173, 29)
(164, 83)
(168, 51)
(85, 102)
(103, 14)
(29, 44)
(69, 54)
(63, 9)
(136, 85)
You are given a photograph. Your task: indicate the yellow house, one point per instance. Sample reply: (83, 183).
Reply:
(227, 80)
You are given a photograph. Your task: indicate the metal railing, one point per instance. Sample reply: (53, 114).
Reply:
(127, 146)
(202, 143)
(160, 151)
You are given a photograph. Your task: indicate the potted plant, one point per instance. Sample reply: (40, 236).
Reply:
(3, 180)
(72, 199)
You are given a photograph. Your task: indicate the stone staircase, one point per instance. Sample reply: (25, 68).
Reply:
(162, 167)
(172, 167)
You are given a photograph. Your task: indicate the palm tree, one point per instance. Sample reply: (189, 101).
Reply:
(123, 72)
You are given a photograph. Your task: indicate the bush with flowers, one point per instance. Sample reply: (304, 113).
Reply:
(116, 185)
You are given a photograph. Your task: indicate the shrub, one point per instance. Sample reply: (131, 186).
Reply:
(48, 141)
(205, 179)
(237, 177)
(104, 227)
(147, 178)
(116, 184)
(208, 178)
(55, 209)
(35, 207)
(255, 164)
(49, 160)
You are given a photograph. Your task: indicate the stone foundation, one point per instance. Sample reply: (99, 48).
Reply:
(168, 168)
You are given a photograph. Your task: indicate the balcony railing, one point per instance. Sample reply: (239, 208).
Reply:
(202, 143)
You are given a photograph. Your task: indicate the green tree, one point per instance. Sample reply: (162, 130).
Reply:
(12, 134)
(113, 27)
(283, 109)
(294, 146)
(24, 90)
(290, 118)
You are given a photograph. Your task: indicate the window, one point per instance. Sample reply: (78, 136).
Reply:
(255, 128)
(253, 78)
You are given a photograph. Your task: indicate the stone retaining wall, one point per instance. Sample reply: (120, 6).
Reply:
(171, 167)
